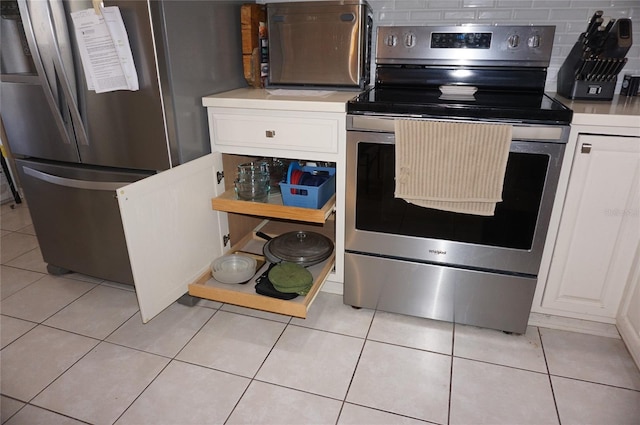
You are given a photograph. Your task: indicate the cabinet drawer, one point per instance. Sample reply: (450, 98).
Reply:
(276, 130)
(244, 295)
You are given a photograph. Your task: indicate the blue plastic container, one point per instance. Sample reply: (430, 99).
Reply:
(296, 195)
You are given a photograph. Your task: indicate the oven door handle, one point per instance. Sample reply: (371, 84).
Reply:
(542, 133)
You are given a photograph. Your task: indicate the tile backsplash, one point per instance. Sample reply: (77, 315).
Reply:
(569, 16)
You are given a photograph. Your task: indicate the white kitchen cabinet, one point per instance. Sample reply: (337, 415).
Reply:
(177, 222)
(629, 315)
(262, 129)
(171, 230)
(599, 229)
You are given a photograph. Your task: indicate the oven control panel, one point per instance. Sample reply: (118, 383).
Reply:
(517, 45)
(460, 40)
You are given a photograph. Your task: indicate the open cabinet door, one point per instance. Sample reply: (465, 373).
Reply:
(172, 232)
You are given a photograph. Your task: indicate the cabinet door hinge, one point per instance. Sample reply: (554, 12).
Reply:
(225, 239)
(220, 176)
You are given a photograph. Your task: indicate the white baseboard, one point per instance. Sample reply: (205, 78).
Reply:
(573, 325)
(631, 338)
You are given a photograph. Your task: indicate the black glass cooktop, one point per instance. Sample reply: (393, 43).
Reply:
(527, 107)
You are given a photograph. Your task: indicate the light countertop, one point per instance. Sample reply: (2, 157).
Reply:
(282, 99)
(621, 111)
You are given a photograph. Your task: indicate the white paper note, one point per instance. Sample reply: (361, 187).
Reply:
(104, 50)
(118, 32)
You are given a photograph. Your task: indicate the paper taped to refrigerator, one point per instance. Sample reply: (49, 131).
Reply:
(104, 50)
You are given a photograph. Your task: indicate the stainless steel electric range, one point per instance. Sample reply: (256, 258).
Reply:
(462, 268)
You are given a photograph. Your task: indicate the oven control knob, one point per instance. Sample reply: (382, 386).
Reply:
(513, 41)
(391, 40)
(410, 40)
(534, 41)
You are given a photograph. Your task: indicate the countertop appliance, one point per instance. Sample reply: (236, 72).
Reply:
(74, 147)
(591, 69)
(324, 44)
(463, 268)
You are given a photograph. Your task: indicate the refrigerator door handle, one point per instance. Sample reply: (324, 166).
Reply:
(67, 89)
(45, 79)
(63, 41)
(73, 183)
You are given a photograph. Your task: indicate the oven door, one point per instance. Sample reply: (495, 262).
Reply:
(511, 241)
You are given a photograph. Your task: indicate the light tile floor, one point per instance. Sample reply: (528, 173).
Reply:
(74, 350)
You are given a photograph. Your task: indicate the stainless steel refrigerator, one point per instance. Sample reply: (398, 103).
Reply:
(74, 147)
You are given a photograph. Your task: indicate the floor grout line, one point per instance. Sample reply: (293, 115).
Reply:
(365, 340)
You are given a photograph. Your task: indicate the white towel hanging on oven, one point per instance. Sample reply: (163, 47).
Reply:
(449, 166)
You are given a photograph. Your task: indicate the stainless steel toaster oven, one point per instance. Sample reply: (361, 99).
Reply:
(320, 43)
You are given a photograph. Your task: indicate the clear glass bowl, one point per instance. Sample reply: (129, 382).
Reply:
(254, 168)
(233, 268)
(253, 189)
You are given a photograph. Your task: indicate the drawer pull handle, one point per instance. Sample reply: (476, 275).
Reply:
(270, 133)
(586, 148)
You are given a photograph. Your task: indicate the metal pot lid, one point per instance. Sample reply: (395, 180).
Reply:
(268, 254)
(273, 259)
(301, 247)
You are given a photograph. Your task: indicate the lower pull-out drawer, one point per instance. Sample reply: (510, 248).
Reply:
(245, 295)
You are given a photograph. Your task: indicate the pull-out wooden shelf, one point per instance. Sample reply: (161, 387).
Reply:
(244, 295)
(273, 208)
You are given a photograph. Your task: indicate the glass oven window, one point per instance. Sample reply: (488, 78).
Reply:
(512, 226)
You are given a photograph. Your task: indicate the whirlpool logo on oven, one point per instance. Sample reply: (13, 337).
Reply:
(437, 252)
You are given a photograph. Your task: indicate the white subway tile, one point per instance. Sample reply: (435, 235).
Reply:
(396, 17)
(442, 4)
(515, 3)
(533, 15)
(460, 15)
(575, 14)
(379, 5)
(575, 28)
(625, 13)
(428, 17)
(478, 3)
(542, 4)
(496, 15)
(410, 4)
(601, 5)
